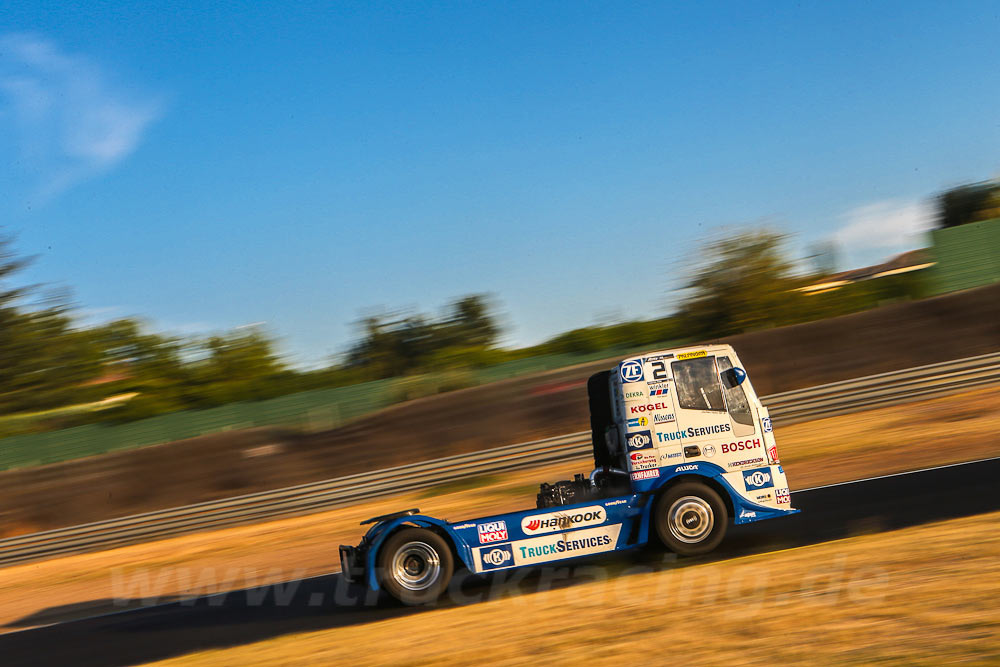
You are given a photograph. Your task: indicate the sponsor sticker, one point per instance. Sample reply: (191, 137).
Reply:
(659, 357)
(675, 455)
(566, 545)
(691, 355)
(745, 462)
(645, 474)
(650, 407)
(663, 419)
(499, 556)
(631, 371)
(747, 514)
(759, 478)
(772, 453)
(539, 524)
(637, 422)
(642, 460)
(492, 531)
(692, 432)
(708, 451)
(782, 496)
(659, 389)
(629, 395)
(687, 468)
(615, 502)
(766, 424)
(464, 525)
(639, 440)
(739, 446)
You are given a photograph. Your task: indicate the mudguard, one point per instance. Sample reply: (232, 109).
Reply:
(378, 533)
(744, 509)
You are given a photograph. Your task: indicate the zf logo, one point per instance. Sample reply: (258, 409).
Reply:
(498, 557)
(631, 371)
(640, 440)
(757, 479)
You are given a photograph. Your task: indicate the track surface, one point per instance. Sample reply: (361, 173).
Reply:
(241, 617)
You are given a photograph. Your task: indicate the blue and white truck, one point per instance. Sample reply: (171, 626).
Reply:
(682, 447)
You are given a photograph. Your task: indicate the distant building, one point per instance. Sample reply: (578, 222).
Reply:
(914, 260)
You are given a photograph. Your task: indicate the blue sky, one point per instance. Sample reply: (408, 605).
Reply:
(301, 164)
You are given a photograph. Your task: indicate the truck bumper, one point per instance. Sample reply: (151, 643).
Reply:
(351, 564)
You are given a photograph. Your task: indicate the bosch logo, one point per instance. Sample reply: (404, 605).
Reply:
(631, 371)
(639, 440)
(740, 446)
(709, 451)
(497, 556)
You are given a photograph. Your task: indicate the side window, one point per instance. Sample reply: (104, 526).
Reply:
(698, 386)
(736, 398)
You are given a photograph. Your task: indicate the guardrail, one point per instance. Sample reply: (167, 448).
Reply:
(785, 408)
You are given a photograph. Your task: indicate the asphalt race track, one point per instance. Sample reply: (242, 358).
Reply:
(241, 617)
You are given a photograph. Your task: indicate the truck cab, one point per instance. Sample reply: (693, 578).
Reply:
(682, 447)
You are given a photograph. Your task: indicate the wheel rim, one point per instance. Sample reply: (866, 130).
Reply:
(690, 519)
(416, 566)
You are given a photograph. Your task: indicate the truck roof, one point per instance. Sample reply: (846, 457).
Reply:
(689, 351)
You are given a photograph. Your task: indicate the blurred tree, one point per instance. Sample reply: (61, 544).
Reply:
(968, 203)
(745, 282)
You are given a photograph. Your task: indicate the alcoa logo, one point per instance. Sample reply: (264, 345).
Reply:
(497, 557)
(578, 518)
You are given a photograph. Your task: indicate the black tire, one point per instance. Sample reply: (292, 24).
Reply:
(415, 566)
(690, 518)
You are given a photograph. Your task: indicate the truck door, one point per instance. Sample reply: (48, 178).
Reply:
(701, 405)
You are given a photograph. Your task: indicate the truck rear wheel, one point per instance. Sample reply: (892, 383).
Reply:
(690, 519)
(415, 566)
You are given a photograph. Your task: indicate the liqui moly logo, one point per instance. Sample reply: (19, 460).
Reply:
(492, 531)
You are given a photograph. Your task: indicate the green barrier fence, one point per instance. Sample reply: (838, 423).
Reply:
(310, 410)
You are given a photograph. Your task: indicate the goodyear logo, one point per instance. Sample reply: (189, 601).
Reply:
(692, 355)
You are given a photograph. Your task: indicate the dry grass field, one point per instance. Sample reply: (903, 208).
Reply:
(944, 430)
(924, 595)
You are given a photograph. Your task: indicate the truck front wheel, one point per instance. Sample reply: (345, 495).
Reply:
(415, 566)
(690, 519)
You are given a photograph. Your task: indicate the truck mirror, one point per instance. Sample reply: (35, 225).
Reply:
(733, 377)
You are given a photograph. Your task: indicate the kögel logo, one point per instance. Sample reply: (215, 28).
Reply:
(631, 371)
(639, 440)
(494, 531)
(652, 407)
(498, 557)
(759, 478)
(578, 518)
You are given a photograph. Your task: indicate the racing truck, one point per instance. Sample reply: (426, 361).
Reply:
(682, 447)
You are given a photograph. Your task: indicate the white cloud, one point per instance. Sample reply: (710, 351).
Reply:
(890, 225)
(69, 119)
